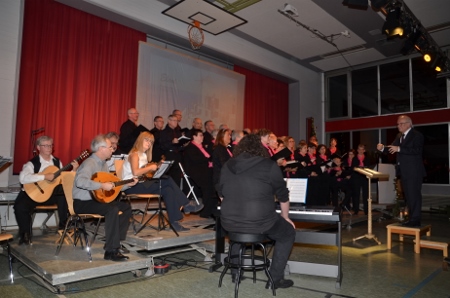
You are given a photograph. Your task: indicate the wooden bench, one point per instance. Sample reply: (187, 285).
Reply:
(417, 232)
(435, 243)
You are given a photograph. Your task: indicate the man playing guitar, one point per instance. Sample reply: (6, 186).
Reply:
(31, 173)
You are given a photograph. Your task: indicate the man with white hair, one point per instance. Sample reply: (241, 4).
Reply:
(409, 168)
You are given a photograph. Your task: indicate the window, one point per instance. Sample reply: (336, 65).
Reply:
(337, 96)
(394, 87)
(429, 92)
(364, 92)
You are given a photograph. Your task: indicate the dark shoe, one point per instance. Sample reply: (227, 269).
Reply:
(192, 207)
(281, 284)
(355, 212)
(25, 239)
(411, 223)
(123, 249)
(115, 256)
(178, 227)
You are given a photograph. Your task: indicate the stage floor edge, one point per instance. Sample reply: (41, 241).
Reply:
(72, 264)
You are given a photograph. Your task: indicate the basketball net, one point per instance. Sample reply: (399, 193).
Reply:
(195, 34)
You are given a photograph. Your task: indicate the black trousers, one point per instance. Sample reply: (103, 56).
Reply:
(360, 182)
(24, 207)
(173, 197)
(283, 234)
(116, 226)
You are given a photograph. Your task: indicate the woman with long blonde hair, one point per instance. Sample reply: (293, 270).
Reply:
(139, 163)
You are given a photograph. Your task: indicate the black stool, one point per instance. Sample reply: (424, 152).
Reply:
(256, 262)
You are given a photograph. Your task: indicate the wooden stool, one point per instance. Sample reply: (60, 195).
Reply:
(435, 243)
(6, 237)
(397, 228)
(256, 262)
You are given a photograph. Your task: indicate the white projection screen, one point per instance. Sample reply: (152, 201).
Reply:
(168, 80)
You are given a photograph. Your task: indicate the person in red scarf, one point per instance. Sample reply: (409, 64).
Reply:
(359, 181)
(198, 165)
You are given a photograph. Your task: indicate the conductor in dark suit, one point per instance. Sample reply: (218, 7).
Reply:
(409, 168)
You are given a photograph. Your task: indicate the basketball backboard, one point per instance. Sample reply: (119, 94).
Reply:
(212, 18)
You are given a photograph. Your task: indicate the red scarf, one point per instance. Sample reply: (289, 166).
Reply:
(361, 160)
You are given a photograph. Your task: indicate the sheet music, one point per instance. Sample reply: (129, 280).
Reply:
(110, 162)
(297, 189)
(162, 169)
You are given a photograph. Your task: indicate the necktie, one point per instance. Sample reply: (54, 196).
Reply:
(402, 138)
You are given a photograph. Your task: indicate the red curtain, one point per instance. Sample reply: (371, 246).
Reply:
(77, 78)
(266, 102)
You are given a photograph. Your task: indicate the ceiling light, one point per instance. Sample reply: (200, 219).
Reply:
(393, 27)
(428, 55)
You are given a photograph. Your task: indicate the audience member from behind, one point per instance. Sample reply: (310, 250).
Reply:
(248, 184)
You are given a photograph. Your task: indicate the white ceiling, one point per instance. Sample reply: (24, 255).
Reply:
(273, 31)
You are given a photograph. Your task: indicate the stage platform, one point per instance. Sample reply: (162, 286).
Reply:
(72, 264)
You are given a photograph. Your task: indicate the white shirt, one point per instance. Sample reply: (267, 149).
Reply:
(27, 174)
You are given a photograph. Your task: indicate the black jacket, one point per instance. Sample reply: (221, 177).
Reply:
(248, 185)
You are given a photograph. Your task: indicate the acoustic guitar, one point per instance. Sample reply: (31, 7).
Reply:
(107, 196)
(42, 190)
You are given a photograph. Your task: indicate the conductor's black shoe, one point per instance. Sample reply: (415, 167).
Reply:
(411, 223)
(115, 255)
(25, 239)
(281, 283)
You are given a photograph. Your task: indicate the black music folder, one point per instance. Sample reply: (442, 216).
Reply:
(285, 153)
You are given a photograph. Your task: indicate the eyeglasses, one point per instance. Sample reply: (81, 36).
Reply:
(402, 123)
(110, 147)
(46, 146)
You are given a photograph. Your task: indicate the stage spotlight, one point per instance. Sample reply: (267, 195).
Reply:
(437, 63)
(393, 27)
(421, 43)
(428, 55)
(410, 42)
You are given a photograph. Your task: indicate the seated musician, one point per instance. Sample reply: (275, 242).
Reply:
(248, 183)
(31, 173)
(116, 223)
(138, 164)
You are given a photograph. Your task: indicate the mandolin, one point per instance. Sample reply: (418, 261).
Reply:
(150, 174)
(107, 196)
(42, 190)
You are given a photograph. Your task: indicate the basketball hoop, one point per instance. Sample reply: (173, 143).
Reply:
(195, 34)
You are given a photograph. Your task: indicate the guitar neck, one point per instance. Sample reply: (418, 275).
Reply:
(67, 167)
(122, 182)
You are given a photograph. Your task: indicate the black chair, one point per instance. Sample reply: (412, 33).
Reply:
(246, 262)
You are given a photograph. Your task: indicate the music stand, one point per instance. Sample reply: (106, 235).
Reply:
(191, 188)
(369, 173)
(162, 219)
